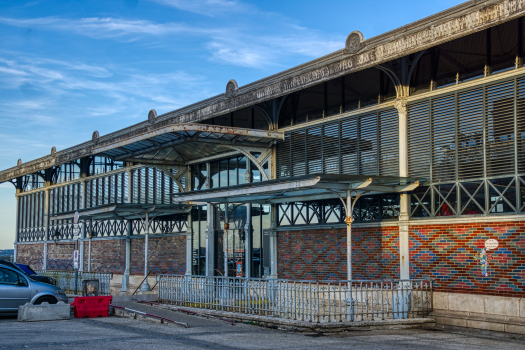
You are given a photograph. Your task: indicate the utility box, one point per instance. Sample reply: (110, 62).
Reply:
(90, 288)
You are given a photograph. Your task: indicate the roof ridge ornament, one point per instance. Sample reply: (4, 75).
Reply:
(95, 137)
(19, 162)
(152, 116)
(354, 42)
(231, 88)
(53, 151)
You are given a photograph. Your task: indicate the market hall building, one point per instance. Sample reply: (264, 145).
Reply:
(419, 131)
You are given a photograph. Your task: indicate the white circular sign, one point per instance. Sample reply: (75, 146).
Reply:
(491, 244)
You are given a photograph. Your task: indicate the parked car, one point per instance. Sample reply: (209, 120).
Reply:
(17, 289)
(27, 269)
(34, 276)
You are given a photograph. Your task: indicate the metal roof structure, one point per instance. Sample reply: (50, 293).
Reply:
(122, 211)
(300, 188)
(178, 144)
(161, 143)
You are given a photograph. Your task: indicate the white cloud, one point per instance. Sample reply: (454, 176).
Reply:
(210, 8)
(119, 92)
(269, 50)
(97, 27)
(12, 71)
(240, 45)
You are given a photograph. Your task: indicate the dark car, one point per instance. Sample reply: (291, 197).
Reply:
(27, 269)
(39, 278)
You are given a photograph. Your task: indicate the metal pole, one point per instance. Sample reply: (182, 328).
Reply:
(349, 219)
(76, 270)
(145, 286)
(226, 241)
(89, 253)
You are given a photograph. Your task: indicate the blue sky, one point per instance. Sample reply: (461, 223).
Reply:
(68, 68)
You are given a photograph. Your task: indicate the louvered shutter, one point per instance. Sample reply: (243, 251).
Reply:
(443, 142)
(314, 149)
(298, 153)
(500, 135)
(368, 145)
(283, 157)
(419, 140)
(520, 119)
(470, 134)
(349, 146)
(389, 143)
(331, 141)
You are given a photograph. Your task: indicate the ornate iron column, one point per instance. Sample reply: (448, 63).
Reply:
(248, 228)
(145, 286)
(210, 230)
(404, 199)
(125, 277)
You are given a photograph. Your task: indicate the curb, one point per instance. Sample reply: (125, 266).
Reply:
(303, 326)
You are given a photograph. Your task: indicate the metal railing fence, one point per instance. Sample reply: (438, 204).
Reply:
(311, 301)
(66, 280)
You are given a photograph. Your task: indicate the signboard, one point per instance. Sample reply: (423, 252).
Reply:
(75, 259)
(491, 244)
(238, 268)
(77, 231)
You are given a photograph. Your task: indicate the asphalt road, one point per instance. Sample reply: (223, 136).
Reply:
(125, 333)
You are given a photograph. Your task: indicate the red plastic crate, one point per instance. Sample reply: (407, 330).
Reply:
(91, 307)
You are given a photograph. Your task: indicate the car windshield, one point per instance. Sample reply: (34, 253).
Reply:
(26, 268)
(16, 268)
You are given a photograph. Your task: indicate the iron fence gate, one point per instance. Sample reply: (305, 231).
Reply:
(66, 280)
(312, 301)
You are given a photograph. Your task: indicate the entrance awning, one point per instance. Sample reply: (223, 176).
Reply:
(300, 189)
(158, 144)
(181, 144)
(123, 211)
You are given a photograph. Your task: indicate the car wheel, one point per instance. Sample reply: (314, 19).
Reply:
(49, 300)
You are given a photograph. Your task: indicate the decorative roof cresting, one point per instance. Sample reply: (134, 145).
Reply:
(152, 116)
(354, 42)
(231, 88)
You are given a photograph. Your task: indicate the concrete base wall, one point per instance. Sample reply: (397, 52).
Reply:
(487, 312)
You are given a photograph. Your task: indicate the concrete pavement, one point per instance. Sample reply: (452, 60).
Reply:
(125, 333)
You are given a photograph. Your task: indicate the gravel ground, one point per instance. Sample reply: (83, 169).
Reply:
(203, 333)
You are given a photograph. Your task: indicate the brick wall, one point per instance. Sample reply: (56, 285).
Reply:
(321, 254)
(31, 254)
(166, 255)
(106, 255)
(60, 256)
(446, 253)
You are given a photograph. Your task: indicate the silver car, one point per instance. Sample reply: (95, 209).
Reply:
(17, 289)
